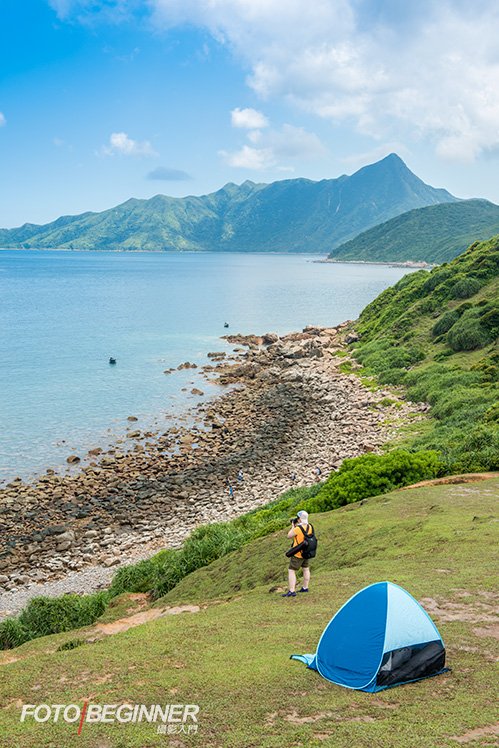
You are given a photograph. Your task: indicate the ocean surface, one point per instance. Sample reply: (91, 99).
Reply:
(63, 314)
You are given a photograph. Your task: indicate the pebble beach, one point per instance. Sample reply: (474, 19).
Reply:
(288, 417)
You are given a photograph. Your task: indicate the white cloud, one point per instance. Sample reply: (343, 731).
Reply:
(258, 159)
(289, 142)
(249, 119)
(427, 70)
(120, 143)
(3, 121)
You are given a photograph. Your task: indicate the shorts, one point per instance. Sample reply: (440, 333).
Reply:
(296, 563)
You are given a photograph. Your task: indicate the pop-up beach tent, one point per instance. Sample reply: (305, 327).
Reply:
(381, 637)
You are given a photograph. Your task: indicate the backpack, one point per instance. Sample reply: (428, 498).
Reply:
(308, 546)
(310, 543)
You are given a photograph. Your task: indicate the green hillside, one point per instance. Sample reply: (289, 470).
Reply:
(433, 234)
(232, 656)
(435, 334)
(294, 215)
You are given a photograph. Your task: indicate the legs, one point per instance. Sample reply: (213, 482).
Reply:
(306, 577)
(291, 580)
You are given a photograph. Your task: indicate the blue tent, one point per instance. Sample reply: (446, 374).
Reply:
(381, 637)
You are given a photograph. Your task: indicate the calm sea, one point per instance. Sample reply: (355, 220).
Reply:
(63, 314)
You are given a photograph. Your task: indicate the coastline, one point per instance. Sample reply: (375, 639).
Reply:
(287, 410)
(411, 264)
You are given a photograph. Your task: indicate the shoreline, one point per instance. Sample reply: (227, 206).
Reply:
(411, 264)
(287, 410)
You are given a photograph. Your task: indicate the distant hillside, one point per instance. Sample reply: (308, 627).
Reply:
(294, 215)
(436, 233)
(436, 334)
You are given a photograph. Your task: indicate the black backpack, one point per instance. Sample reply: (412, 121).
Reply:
(310, 543)
(308, 546)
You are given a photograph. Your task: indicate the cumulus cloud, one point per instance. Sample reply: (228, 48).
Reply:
(250, 119)
(247, 157)
(120, 143)
(269, 148)
(3, 121)
(168, 175)
(429, 69)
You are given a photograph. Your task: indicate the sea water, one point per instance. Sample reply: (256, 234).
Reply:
(64, 314)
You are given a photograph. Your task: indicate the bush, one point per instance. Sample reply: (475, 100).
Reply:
(468, 334)
(51, 615)
(371, 475)
(445, 322)
(465, 287)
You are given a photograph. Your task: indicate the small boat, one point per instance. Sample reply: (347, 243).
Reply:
(226, 324)
(112, 360)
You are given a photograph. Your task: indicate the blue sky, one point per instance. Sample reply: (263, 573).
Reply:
(102, 100)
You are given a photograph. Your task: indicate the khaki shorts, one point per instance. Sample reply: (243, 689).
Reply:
(298, 563)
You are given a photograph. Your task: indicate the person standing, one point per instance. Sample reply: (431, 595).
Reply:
(297, 533)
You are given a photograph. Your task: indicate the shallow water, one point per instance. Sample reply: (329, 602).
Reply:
(63, 314)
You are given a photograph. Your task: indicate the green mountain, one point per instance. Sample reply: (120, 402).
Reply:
(294, 215)
(436, 233)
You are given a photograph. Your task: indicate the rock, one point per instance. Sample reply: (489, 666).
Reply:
(4, 579)
(94, 452)
(65, 546)
(352, 337)
(72, 459)
(132, 418)
(187, 365)
(269, 338)
(195, 391)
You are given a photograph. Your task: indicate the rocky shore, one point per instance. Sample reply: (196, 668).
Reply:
(289, 417)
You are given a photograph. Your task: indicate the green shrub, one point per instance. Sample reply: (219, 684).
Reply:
(12, 633)
(71, 644)
(465, 287)
(371, 475)
(51, 615)
(468, 334)
(445, 322)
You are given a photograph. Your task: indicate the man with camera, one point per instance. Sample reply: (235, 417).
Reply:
(304, 541)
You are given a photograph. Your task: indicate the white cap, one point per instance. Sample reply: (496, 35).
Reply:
(303, 515)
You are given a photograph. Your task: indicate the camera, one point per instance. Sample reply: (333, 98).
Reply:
(294, 521)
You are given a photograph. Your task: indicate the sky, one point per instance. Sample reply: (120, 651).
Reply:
(103, 100)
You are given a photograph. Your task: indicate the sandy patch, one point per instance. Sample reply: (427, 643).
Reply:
(452, 479)
(144, 616)
(480, 732)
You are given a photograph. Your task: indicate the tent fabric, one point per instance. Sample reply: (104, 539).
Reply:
(379, 638)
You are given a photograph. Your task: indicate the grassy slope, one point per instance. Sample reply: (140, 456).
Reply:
(399, 346)
(436, 233)
(232, 657)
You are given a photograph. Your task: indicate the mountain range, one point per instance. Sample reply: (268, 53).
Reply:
(434, 234)
(293, 215)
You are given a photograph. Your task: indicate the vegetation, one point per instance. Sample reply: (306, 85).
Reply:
(436, 233)
(293, 215)
(232, 656)
(356, 479)
(442, 350)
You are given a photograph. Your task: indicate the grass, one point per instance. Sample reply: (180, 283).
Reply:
(232, 657)
(435, 335)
